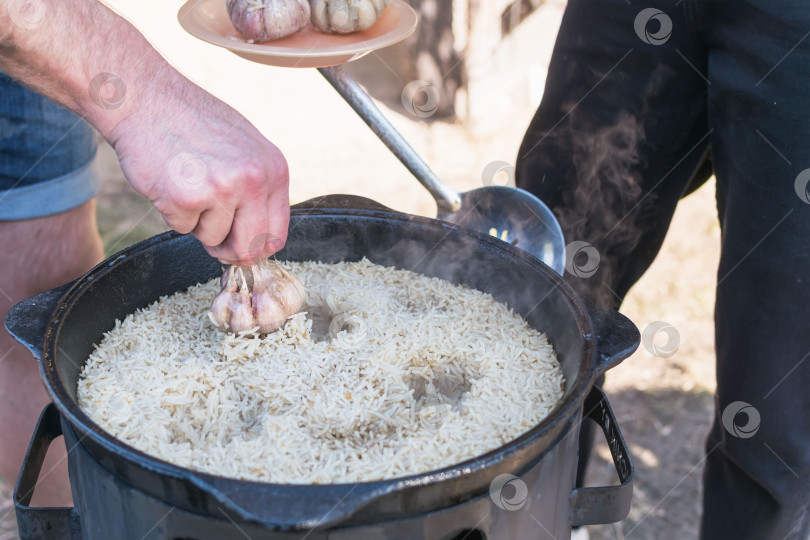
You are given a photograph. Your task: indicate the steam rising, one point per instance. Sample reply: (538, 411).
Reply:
(606, 206)
(604, 162)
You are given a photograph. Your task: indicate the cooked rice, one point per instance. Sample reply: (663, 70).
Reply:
(413, 374)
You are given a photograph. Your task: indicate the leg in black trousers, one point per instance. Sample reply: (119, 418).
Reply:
(759, 105)
(625, 124)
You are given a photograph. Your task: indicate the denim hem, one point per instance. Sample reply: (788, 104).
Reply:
(53, 196)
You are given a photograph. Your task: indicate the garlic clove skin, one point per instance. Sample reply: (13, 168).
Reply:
(221, 308)
(265, 20)
(242, 311)
(277, 294)
(269, 316)
(263, 296)
(368, 12)
(346, 16)
(228, 280)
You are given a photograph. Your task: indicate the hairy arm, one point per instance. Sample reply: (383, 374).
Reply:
(204, 166)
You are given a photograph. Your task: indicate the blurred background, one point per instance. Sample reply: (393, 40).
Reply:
(462, 90)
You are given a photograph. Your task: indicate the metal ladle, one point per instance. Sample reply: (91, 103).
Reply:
(509, 213)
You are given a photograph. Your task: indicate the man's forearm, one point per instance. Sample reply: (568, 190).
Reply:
(81, 54)
(205, 168)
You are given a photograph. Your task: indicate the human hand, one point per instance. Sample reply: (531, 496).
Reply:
(207, 170)
(204, 167)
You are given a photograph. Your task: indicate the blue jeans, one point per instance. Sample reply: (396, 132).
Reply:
(47, 155)
(641, 107)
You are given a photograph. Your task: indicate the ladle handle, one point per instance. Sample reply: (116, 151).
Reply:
(447, 199)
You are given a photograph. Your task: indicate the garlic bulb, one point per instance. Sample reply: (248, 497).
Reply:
(346, 16)
(265, 20)
(262, 295)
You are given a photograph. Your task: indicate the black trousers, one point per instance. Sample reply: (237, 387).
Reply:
(642, 103)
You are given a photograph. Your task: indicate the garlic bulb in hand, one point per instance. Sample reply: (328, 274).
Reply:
(346, 16)
(262, 295)
(265, 20)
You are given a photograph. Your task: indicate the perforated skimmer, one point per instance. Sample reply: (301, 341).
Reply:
(509, 213)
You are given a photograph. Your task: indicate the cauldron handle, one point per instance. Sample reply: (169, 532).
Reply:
(28, 320)
(42, 523)
(608, 504)
(616, 336)
(341, 201)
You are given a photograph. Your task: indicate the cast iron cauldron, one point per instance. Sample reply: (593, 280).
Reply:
(120, 492)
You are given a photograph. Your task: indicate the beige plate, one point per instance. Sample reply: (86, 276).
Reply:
(209, 21)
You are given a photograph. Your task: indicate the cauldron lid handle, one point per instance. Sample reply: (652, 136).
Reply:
(28, 320)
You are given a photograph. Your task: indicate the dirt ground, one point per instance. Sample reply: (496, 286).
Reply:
(663, 405)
